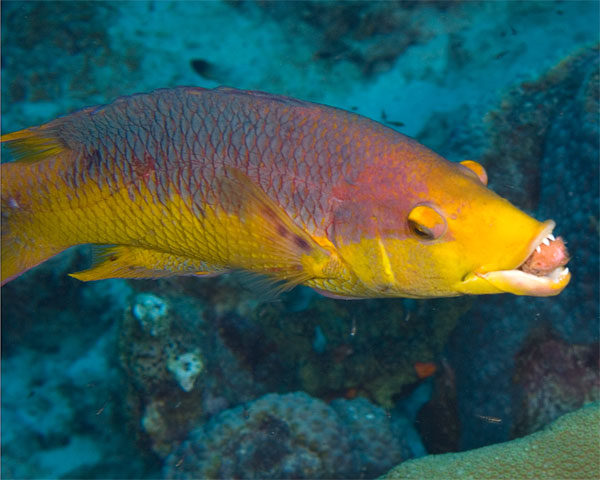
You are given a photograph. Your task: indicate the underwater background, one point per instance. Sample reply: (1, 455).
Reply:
(206, 378)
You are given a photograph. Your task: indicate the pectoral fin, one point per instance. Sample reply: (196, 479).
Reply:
(271, 242)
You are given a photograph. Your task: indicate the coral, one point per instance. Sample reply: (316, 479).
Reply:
(571, 153)
(325, 348)
(62, 413)
(376, 441)
(553, 377)
(277, 436)
(185, 367)
(43, 317)
(518, 130)
(69, 46)
(178, 369)
(293, 436)
(50, 321)
(152, 312)
(156, 350)
(543, 155)
(568, 448)
(370, 34)
(39, 28)
(544, 151)
(163, 362)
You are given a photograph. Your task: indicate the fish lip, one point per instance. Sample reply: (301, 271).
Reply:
(517, 281)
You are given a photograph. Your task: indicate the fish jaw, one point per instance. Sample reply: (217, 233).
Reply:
(521, 283)
(515, 280)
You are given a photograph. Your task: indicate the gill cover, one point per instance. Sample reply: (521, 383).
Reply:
(358, 233)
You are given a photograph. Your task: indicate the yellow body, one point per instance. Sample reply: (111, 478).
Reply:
(141, 232)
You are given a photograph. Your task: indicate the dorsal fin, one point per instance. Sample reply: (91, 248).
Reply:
(34, 144)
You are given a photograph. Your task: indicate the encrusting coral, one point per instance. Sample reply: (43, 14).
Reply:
(568, 448)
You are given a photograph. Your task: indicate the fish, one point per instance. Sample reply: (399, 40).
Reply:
(190, 181)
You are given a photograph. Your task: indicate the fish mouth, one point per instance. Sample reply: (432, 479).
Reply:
(524, 279)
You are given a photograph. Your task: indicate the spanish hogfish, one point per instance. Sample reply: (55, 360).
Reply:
(189, 181)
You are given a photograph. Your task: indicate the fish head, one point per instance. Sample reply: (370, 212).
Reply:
(438, 231)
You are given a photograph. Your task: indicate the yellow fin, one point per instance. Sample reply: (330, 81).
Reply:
(34, 144)
(124, 261)
(279, 248)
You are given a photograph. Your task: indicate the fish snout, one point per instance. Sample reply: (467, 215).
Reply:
(541, 274)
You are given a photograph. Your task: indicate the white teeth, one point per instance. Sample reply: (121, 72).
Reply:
(538, 249)
(545, 241)
(551, 237)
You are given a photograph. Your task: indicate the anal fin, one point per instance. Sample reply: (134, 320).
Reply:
(124, 261)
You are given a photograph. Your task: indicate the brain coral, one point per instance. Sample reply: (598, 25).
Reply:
(569, 448)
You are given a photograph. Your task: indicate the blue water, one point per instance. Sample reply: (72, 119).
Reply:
(201, 378)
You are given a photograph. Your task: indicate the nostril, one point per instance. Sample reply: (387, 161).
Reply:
(477, 169)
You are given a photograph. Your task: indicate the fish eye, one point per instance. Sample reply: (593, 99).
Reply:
(420, 231)
(426, 223)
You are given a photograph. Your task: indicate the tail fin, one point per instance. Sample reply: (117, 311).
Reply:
(24, 242)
